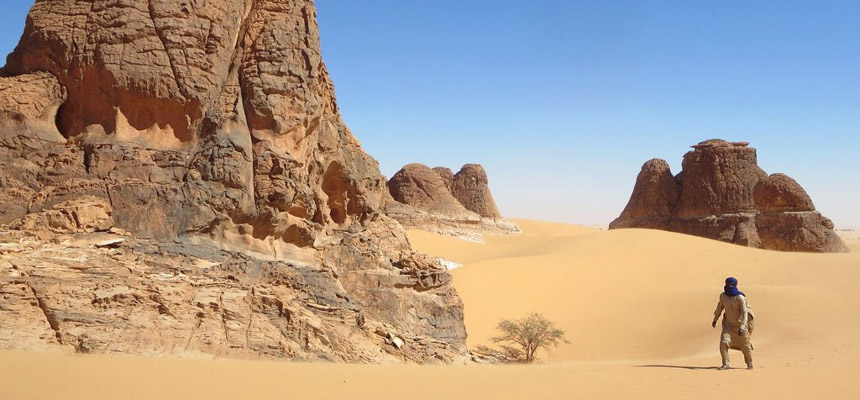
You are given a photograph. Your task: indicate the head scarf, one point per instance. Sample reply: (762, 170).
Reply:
(731, 288)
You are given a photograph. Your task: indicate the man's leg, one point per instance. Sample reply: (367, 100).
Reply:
(725, 339)
(746, 348)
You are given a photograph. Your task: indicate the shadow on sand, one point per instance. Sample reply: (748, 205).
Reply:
(677, 366)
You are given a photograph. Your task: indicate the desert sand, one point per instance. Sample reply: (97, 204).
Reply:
(636, 306)
(851, 238)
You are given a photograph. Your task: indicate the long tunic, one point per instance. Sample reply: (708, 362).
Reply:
(736, 311)
(737, 315)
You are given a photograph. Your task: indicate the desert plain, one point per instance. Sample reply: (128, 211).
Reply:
(636, 306)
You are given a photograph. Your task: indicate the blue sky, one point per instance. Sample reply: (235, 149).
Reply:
(563, 101)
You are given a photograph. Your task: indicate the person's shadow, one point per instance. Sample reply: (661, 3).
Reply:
(676, 366)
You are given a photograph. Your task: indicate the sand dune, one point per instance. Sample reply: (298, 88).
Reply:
(636, 304)
(640, 294)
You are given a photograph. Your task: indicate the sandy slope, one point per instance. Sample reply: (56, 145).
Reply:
(636, 304)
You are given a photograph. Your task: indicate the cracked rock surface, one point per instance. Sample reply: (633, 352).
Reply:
(215, 121)
(190, 298)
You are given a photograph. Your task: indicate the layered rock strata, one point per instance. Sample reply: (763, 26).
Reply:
(440, 201)
(721, 193)
(105, 293)
(213, 122)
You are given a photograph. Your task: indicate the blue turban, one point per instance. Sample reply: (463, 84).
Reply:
(731, 288)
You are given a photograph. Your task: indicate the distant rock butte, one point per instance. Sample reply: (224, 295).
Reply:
(424, 189)
(721, 193)
(440, 201)
(470, 187)
(212, 124)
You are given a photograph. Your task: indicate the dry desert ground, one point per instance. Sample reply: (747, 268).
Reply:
(636, 306)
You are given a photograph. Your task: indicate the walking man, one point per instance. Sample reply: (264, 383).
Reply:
(737, 323)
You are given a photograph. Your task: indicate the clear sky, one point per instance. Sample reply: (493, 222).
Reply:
(563, 101)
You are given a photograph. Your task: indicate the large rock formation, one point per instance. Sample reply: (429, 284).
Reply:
(424, 189)
(439, 201)
(722, 194)
(654, 198)
(470, 187)
(210, 120)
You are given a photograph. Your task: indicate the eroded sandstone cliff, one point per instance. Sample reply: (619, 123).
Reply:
(210, 122)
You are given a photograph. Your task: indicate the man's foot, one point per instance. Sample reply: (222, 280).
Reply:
(749, 366)
(724, 367)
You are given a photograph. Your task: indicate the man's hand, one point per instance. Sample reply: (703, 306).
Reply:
(714, 324)
(741, 332)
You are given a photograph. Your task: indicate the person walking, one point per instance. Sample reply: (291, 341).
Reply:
(737, 323)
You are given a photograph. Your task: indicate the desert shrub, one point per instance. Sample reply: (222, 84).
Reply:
(523, 337)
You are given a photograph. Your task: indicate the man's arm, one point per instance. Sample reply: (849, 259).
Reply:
(744, 314)
(717, 313)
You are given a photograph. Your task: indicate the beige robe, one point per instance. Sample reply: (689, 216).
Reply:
(737, 316)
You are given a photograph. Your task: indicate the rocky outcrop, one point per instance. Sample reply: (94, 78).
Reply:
(780, 193)
(191, 298)
(439, 201)
(216, 122)
(31, 102)
(788, 220)
(82, 215)
(654, 198)
(721, 193)
(470, 187)
(424, 189)
(718, 178)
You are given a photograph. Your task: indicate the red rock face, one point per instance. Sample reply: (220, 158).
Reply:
(654, 198)
(471, 188)
(718, 178)
(779, 193)
(214, 119)
(424, 189)
(438, 201)
(447, 176)
(722, 194)
(439, 191)
(216, 92)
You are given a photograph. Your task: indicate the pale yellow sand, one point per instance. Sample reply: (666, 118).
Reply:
(851, 238)
(636, 304)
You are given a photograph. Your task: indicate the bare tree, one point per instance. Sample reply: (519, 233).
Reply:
(530, 333)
